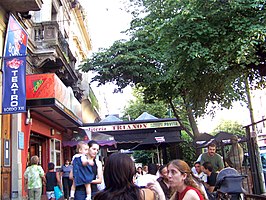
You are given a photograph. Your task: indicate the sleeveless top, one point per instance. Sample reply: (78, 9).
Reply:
(94, 188)
(51, 181)
(148, 194)
(181, 195)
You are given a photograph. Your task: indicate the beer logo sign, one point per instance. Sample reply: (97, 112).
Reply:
(36, 85)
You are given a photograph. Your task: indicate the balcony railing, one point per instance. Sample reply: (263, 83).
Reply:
(47, 37)
(47, 34)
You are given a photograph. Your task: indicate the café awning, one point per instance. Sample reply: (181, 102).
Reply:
(129, 134)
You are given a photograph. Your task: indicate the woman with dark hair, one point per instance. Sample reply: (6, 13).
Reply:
(80, 191)
(119, 171)
(97, 168)
(163, 181)
(182, 181)
(67, 182)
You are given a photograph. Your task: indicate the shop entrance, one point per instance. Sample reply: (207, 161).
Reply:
(37, 147)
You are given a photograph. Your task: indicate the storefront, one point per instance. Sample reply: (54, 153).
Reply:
(53, 113)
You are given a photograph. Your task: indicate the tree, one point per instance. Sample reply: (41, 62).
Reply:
(181, 52)
(231, 127)
(158, 109)
(144, 157)
(137, 106)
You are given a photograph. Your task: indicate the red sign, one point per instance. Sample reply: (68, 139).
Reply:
(42, 86)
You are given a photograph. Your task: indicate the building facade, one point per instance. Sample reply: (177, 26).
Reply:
(58, 98)
(258, 98)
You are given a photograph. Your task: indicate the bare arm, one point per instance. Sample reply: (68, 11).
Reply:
(191, 195)
(58, 178)
(99, 177)
(156, 188)
(71, 175)
(43, 180)
(209, 188)
(26, 184)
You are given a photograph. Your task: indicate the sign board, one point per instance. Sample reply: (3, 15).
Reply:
(14, 68)
(20, 140)
(137, 126)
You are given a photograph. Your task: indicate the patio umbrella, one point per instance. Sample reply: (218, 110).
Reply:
(203, 140)
(101, 138)
(158, 139)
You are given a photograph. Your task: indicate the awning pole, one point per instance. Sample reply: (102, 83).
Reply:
(158, 155)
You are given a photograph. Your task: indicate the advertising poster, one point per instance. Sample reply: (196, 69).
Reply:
(14, 68)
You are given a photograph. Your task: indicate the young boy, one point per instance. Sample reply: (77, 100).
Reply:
(82, 171)
(52, 179)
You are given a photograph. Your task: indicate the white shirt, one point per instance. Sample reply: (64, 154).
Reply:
(143, 180)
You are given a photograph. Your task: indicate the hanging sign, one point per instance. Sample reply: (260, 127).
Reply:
(14, 68)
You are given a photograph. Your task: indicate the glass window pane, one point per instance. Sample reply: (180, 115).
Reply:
(58, 159)
(52, 157)
(57, 145)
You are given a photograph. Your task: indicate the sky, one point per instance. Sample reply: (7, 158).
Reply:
(106, 19)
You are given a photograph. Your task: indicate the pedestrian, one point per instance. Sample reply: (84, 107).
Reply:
(52, 180)
(139, 172)
(184, 184)
(34, 179)
(97, 168)
(67, 182)
(150, 176)
(82, 170)
(145, 169)
(211, 176)
(119, 171)
(212, 157)
(164, 182)
(198, 171)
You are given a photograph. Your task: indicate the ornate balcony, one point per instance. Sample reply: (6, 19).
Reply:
(21, 5)
(51, 52)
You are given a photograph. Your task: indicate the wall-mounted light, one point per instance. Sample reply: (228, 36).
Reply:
(52, 131)
(28, 118)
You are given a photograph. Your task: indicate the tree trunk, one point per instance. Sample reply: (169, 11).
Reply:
(192, 122)
(179, 120)
(194, 127)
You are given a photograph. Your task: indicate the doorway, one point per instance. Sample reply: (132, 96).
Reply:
(6, 158)
(37, 147)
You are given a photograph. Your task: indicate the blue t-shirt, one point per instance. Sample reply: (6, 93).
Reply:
(66, 170)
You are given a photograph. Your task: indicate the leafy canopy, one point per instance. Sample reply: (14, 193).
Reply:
(137, 106)
(197, 51)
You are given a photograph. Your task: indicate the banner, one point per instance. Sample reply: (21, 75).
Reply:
(14, 68)
(137, 126)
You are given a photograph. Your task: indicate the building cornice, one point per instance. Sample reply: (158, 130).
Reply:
(80, 18)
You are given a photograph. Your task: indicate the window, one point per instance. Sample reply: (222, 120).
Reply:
(55, 154)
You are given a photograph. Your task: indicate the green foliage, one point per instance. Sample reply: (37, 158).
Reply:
(144, 157)
(196, 51)
(93, 99)
(231, 127)
(136, 107)
(187, 150)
